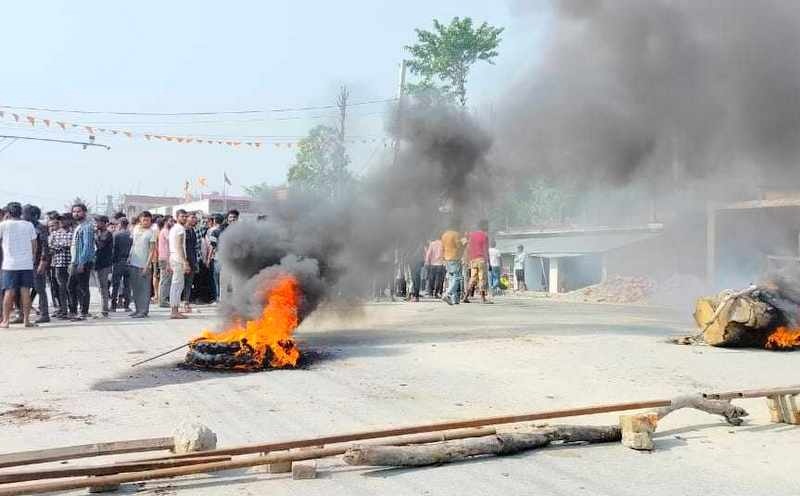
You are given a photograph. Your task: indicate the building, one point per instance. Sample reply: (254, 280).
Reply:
(561, 260)
(132, 205)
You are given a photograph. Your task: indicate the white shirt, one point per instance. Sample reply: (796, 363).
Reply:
(176, 246)
(495, 259)
(16, 238)
(142, 242)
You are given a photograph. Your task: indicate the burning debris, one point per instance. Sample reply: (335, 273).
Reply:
(259, 343)
(763, 316)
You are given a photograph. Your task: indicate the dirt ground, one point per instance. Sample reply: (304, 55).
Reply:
(400, 364)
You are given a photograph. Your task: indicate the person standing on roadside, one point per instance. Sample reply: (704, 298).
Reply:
(140, 262)
(495, 268)
(519, 268)
(192, 257)
(41, 265)
(434, 259)
(212, 260)
(104, 260)
(452, 246)
(18, 239)
(83, 252)
(478, 254)
(60, 247)
(178, 262)
(120, 275)
(165, 275)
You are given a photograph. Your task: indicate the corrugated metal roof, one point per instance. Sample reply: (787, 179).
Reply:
(571, 243)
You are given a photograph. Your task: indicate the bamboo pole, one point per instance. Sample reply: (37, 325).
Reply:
(85, 451)
(246, 462)
(753, 393)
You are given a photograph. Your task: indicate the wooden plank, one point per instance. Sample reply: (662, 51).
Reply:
(85, 451)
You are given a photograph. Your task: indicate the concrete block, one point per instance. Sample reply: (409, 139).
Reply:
(306, 469)
(279, 468)
(190, 437)
(637, 431)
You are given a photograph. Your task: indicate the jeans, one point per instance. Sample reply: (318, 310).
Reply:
(165, 281)
(176, 284)
(494, 278)
(436, 280)
(66, 300)
(55, 294)
(188, 280)
(40, 285)
(140, 287)
(121, 285)
(214, 273)
(454, 280)
(104, 282)
(79, 286)
(416, 278)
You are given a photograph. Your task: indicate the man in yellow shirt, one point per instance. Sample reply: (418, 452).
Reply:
(452, 246)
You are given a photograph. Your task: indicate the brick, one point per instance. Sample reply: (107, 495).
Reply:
(304, 470)
(637, 431)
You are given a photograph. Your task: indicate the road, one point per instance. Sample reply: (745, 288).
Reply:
(399, 364)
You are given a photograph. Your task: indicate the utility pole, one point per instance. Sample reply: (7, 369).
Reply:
(341, 102)
(401, 92)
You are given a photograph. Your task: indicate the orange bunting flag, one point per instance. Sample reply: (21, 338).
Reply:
(258, 145)
(90, 129)
(62, 125)
(180, 140)
(16, 117)
(168, 138)
(31, 119)
(46, 122)
(237, 143)
(202, 182)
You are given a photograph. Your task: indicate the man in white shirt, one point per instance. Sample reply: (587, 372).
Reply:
(18, 241)
(140, 264)
(178, 263)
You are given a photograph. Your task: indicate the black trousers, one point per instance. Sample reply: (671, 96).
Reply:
(416, 277)
(55, 295)
(436, 280)
(121, 285)
(78, 286)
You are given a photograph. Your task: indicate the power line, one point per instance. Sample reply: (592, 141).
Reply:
(83, 143)
(231, 112)
(8, 145)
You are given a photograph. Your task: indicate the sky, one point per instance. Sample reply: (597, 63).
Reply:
(203, 56)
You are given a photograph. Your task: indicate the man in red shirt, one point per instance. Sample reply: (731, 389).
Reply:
(478, 248)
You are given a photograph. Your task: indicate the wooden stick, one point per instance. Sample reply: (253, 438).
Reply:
(86, 450)
(753, 393)
(252, 461)
(117, 468)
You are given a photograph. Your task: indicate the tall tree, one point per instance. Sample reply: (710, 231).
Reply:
(443, 57)
(321, 163)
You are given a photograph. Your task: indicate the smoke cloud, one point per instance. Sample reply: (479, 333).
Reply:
(339, 248)
(663, 90)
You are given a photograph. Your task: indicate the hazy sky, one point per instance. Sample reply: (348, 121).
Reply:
(181, 56)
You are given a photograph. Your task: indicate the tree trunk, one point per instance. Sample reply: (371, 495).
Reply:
(507, 443)
(735, 319)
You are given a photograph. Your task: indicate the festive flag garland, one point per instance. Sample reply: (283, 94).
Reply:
(94, 131)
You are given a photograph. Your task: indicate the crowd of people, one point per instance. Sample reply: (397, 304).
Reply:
(458, 265)
(171, 260)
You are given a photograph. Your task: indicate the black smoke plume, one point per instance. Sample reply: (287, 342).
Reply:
(338, 248)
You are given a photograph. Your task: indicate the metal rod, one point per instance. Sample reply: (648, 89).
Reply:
(173, 350)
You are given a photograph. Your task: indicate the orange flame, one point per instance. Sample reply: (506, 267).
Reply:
(783, 338)
(271, 334)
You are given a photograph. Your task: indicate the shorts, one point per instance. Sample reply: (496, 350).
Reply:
(16, 279)
(519, 274)
(478, 272)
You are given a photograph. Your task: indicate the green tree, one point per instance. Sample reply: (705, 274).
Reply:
(260, 190)
(321, 163)
(535, 202)
(442, 58)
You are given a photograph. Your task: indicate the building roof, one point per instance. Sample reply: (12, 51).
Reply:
(575, 241)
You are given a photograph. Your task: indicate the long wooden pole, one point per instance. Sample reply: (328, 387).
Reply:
(85, 451)
(251, 461)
